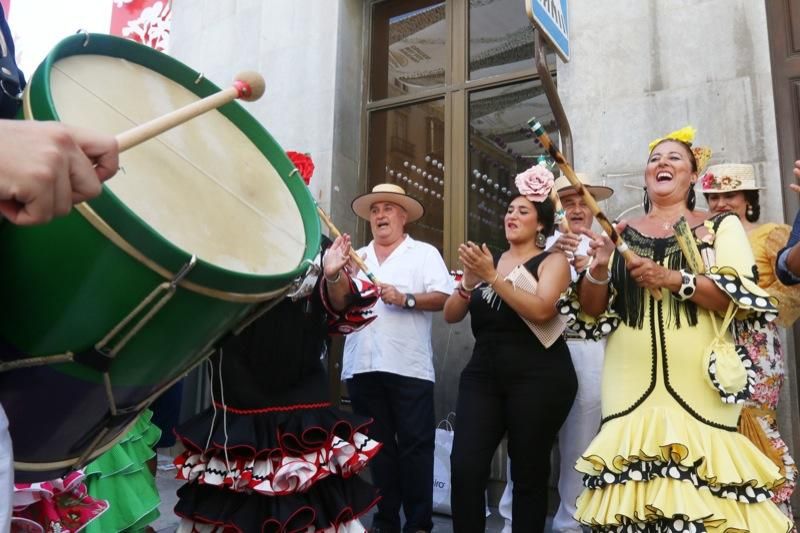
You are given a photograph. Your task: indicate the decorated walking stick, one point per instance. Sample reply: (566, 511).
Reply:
(561, 215)
(601, 217)
(353, 255)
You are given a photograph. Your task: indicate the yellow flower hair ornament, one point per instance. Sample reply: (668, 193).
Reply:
(702, 154)
(685, 134)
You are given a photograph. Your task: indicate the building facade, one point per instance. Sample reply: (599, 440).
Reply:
(434, 95)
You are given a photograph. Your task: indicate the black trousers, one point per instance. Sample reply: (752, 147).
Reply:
(402, 409)
(509, 390)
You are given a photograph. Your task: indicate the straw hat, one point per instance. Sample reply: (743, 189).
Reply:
(728, 178)
(388, 192)
(564, 188)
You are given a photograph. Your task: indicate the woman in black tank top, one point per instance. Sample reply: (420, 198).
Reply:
(512, 384)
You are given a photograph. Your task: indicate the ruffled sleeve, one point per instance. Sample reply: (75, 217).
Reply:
(358, 313)
(734, 270)
(767, 241)
(583, 325)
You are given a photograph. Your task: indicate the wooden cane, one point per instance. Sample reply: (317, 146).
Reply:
(353, 255)
(601, 217)
(248, 86)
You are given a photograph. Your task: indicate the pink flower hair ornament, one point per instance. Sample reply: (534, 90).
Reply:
(535, 183)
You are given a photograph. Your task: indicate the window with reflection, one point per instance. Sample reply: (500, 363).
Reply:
(406, 147)
(500, 146)
(500, 38)
(409, 47)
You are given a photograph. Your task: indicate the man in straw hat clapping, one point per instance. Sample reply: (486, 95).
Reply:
(389, 366)
(581, 424)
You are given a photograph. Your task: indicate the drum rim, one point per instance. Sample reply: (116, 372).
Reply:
(135, 231)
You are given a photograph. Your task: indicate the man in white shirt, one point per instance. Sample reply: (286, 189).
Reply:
(583, 420)
(389, 366)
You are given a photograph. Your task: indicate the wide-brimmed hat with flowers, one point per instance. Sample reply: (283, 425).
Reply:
(728, 177)
(565, 188)
(388, 192)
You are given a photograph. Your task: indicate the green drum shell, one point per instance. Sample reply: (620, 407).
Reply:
(68, 285)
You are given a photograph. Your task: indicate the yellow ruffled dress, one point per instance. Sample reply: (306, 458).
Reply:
(668, 457)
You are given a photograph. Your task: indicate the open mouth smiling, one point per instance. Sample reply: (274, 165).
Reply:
(663, 175)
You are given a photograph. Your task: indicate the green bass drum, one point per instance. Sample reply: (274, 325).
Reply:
(105, 308)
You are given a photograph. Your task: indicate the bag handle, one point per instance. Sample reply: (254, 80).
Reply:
(726, 321)
(447, 422)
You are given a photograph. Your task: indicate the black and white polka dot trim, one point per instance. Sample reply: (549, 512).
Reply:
(688, 285)
(729, 281)
(569, 306)
(747, 391)
(648, 470)
(662, 525)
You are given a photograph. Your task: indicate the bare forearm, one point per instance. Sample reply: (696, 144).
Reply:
(338, 291)
(593, 297)
(430, 301)
(709, 296)
(455, 308)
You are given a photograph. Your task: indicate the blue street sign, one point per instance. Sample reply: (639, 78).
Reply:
(551, 18)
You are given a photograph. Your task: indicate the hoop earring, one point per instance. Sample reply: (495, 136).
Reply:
(691, 199)
(646, 202)
(540, 241)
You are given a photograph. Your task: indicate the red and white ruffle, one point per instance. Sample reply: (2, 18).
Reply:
(278, 474)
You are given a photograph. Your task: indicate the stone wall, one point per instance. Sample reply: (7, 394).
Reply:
(294, 44)
(642, 69)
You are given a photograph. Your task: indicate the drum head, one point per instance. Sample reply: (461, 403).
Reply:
(217, 187)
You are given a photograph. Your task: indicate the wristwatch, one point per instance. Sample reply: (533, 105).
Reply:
(410, 302)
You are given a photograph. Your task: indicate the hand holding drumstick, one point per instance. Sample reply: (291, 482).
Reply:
(49, 166)
(64, 165)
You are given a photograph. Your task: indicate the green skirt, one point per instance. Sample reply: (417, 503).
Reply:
(121, 477)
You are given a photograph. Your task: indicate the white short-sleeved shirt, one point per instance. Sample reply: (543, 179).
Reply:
(399, 340)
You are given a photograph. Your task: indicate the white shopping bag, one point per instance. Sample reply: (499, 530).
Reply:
(441, 465)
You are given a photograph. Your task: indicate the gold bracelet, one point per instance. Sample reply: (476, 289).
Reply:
(464, 286)
(496, 275)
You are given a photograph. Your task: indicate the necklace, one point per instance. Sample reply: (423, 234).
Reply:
(666, 224)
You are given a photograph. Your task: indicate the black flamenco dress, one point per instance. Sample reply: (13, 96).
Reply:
(271, 454)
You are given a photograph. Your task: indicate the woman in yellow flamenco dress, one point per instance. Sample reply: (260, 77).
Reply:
(731, 188)
(668, 457)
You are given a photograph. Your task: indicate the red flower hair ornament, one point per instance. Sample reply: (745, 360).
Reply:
(303, 164)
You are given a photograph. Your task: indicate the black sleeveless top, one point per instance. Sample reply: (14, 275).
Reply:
(494, 321)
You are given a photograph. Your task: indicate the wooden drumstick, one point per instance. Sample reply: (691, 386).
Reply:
(249, 86)
(353, 255)
(601, 217)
